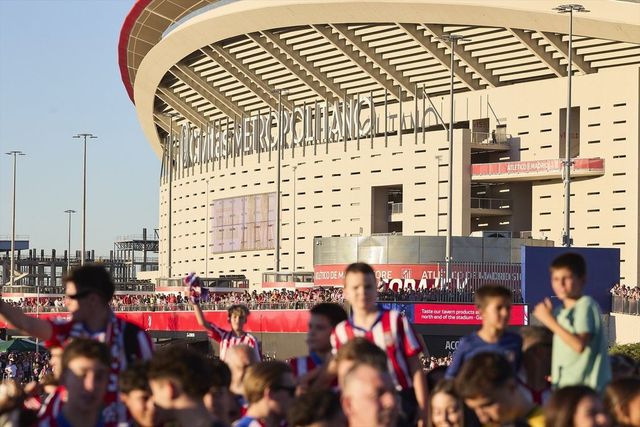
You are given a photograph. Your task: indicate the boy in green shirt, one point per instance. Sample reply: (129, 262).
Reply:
(579, 353)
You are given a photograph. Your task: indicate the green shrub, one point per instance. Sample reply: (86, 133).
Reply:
(631, 350)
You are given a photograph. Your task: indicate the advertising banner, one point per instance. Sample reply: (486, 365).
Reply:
(185, 321)
(461, 314)
(428, 276)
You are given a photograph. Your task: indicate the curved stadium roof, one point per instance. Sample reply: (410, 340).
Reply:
(211, 59)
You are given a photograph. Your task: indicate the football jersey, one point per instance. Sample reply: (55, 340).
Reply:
(392, 333)
(228, 339)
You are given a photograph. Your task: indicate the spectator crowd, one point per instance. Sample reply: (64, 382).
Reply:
(364, 370)
(629, 292)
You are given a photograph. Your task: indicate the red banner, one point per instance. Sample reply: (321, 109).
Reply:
(461, 314)
(259, 321)
(535, 166)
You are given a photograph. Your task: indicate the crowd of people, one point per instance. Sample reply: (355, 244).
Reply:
(298, 299)
(366, 369)
(629, 292)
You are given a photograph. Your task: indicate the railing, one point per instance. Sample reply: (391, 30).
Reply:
(302, 277)
(137, 286)
(488, 203)
(490, 138)
(625, 305)
(395, 208)
(18, 237)
(232, 282)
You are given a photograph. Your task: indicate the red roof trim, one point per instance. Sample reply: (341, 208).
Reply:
(123, 43)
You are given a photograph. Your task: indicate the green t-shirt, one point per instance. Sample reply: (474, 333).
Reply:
(592, 366)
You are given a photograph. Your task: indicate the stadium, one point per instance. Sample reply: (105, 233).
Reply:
(361, 90)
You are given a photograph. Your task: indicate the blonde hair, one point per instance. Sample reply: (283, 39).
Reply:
(262, 376)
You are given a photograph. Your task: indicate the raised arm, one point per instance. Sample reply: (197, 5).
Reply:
(28, 325)
(200, 316)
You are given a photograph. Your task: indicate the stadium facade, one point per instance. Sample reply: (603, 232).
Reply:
(357, 91)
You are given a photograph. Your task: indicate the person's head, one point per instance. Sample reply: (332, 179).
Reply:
(178, 377)
(318, 408)
(85, 373)
(135, 393)
(88, 290)
(49, 384)
(56, 361)
(271, 387)
(532, 335)
(435, 376)
(360, 288)
(238, 359)
(447, 409)
(494, 304)
(218, 400)
(578, 406)
(368, 397)
(622, 400)
(489, 387)
(324, 317)
(568, 276)
(237, 316)
(359, 350)
(622, 366)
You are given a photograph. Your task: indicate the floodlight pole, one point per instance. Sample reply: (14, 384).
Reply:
(566, 235)
(69, 212)
(452, 39)
(14, 154)
(84, 137)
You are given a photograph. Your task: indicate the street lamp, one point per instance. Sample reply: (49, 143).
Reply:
(452, 39)
(566, 235)
(84, 137)
(171, 116)
(280, 92)
(69, 212)
(15, 154)
(206, 236)
(294, 221)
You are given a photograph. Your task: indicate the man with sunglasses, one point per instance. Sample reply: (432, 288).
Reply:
(270, 388)
(88, 292)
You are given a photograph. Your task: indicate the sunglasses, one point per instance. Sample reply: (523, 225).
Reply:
(78, 295)
(291, 390)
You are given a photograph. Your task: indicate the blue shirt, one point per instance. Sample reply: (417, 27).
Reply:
(509, 345)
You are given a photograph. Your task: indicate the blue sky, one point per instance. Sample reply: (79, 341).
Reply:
(59, 76)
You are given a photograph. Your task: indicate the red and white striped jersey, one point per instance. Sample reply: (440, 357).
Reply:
(51, 407)
(302, 365)
(228, 339)
(392, 333)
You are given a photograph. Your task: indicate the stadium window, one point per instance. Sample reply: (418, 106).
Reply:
(593, 210)
(619, 139)
(420, 167)
(593, 227)
(523, 133)
(523, 117)
(618, 226)
(376, 171)
(619, 209)
(597, 107)
(622, 104)
(593, 125)
(619, 122)
(545, 130)
(593, 193)
(545, 213)
(594, 141)
(548, 113)
(396, 169)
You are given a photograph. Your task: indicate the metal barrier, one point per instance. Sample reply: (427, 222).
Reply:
(625, 305)
(489, 203)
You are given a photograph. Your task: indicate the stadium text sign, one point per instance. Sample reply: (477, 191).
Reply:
(461, 314)
(304, 125)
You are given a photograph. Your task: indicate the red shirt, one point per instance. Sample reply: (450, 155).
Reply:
(392, 333)
(228, 339)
